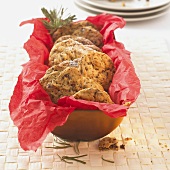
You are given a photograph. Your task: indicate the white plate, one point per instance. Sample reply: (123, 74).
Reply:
(84, 5)
(129, 4)
(129, 18)
(148, 17)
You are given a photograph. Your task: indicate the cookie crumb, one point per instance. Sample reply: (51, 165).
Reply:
(128, 138)
(122, 146)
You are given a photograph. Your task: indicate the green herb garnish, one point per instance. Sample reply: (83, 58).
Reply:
(59, 147)
(60, 144)
(110, 161)
(56, 19)
(76, 147)
(73, 158)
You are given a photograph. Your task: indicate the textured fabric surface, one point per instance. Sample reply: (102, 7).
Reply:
(147, 121)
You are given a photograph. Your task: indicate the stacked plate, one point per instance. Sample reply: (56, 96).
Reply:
(130, 10)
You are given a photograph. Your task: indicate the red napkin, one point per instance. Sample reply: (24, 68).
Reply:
(30, 106)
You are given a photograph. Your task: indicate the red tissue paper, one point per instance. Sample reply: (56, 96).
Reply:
(30, 106)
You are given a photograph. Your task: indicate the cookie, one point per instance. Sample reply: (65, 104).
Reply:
(91, 34)
(68, 49)
(93, 94)
(57, 68)
(70, 28)
(66, 83)
(70, 63)
(97, 66)
(53, 72)
(81, 40)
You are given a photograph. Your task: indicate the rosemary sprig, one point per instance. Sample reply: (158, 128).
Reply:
(73, 158)
(107, 160)
(76, 148)
(66, 144)
(64, 160)
(60, 147)
(60, 144)
(56, 19)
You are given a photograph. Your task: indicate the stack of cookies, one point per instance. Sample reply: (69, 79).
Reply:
(77, 66)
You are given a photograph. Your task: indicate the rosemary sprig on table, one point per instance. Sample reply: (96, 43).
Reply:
(110, 161)
(56, 19)
(59, 147)
(73, 158)
(76, 147)
(61, 144)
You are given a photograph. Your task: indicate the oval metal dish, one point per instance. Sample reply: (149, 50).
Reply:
(86, 125)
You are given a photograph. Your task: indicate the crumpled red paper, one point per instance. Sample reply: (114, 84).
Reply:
(30, 106)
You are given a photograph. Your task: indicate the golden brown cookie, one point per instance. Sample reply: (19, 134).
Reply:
(70, 28)
(53, 72)
(97, 66)
(70, 63)
(57, 68)
(81, 40)
(68, 49)
(66, 83)
(93, 94)
(91, 34)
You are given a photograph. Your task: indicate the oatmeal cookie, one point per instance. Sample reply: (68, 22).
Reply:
(81, 40)
(57, 68)
(93, 94)
(70, 28)
(90, 33)
(51, 74)
(68, 49)
(66, 83)
(97, 66)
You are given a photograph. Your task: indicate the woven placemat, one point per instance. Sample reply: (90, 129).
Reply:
(147, 123)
